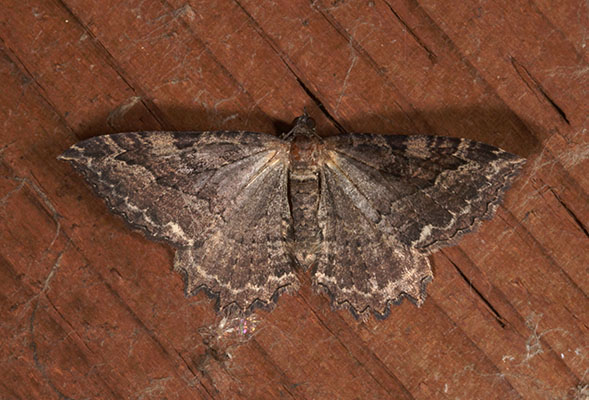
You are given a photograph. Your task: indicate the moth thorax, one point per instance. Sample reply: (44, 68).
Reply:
(304, 153)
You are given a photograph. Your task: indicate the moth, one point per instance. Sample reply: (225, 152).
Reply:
(247, 211)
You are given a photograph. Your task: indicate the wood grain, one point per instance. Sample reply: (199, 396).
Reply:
(90, 309)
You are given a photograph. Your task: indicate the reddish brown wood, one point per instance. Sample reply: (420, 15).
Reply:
(90, 309)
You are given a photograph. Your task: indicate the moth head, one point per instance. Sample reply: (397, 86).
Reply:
(305, 120)
(302, 125)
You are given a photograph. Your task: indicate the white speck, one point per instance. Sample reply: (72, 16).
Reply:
(507, 357)
(562, 356)
(445, 388)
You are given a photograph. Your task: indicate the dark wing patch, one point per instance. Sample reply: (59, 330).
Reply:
(429, 190)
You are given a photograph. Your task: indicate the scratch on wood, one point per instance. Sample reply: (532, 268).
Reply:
(38, 364)
(156, 388)
(366, 57)
(185, 10)
(581, 392)
(45, 199)
(11, 193)
(574, 155)
(3, 148)
(345, 82)
(535, 86)
(430, 54)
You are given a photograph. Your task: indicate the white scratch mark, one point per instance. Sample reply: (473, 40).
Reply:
(345, 83)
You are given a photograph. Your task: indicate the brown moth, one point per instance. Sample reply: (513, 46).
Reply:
(244, 210)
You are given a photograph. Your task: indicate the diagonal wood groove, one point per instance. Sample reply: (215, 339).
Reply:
(498, 318)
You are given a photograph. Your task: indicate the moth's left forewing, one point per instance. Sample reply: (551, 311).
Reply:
(167, 184)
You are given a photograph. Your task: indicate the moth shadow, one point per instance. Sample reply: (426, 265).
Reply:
(143, 116)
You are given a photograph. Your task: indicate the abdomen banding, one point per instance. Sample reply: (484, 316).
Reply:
(304, 188)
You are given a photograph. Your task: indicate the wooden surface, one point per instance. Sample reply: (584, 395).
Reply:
(90, 309)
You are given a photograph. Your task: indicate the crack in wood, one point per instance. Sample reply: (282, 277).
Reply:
(318, 103)
(498, 318)
(571, 213)
(430, 54)
(190, 382)
(533, 84)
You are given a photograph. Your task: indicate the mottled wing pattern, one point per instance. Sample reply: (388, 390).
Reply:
(388, 201)
(361, 266)
(219, 197)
